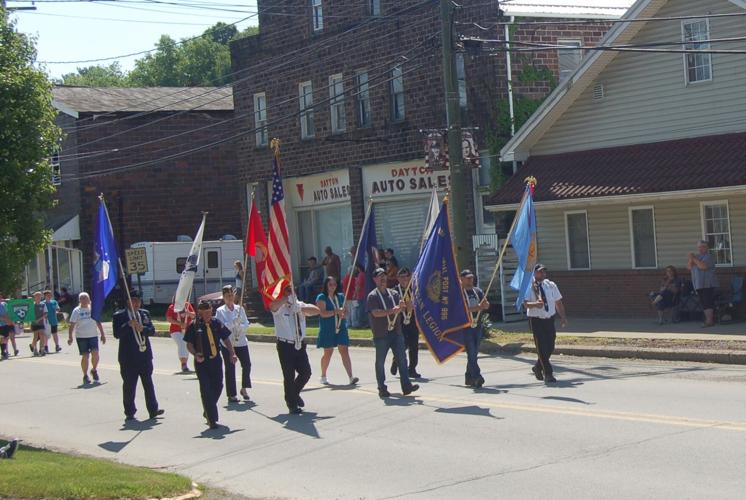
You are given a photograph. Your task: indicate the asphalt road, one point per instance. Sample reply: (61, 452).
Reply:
(609, 429)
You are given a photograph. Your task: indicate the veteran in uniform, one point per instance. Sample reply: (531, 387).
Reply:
(475, 302)
(409, 325)
(203, 338)
(133, 328)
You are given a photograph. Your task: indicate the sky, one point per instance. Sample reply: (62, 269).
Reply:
(78, 37)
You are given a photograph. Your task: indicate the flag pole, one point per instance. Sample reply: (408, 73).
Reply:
(357, 247)
(529, 181)
(121, 267)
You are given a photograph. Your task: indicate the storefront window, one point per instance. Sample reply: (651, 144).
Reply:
(400, 226)
(322, 227)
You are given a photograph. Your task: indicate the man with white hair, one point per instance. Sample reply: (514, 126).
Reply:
(87, 331)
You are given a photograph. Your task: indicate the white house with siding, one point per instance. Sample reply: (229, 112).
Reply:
(640, 154)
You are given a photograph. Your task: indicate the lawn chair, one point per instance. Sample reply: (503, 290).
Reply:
(726, 301)
(688, 308)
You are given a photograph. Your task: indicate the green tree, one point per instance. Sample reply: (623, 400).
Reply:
(159, 69)
(221, 33)
(28, 137)
(96, 76)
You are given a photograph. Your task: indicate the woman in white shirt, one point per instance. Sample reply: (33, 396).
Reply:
(234, 318)
(86, 331)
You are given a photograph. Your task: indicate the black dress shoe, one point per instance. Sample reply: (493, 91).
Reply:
(129, 418)
(549, 379)
(409, 390)
(394, 368)
(468, 382)
(479, 382)
(537, 372)
(294, 410)
(414, 374)
(213, 425)
(383, 393)
(157, 413)
(300, 402)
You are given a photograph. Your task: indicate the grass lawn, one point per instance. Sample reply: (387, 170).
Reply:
(35, 473)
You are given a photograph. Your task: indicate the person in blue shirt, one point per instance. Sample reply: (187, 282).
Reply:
(52, 309)
(333, 328)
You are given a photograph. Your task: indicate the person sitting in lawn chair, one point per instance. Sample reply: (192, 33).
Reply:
(667, 296)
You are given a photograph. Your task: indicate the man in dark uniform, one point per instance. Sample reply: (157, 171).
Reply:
(408, 326)
(133, 327)
(476, 302)
(203, 338)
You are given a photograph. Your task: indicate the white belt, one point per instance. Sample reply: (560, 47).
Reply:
(287, 341)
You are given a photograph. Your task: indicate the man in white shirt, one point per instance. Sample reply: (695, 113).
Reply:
(543, 301)
(234, 318)
(289, 315)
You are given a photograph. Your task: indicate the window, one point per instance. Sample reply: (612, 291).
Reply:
(397, 94)
(54, 162)
(461, 76)
(375, 7)
(698, 66)
(578, 247)
(305, 93)
(363, 100)
(569, 59)
(337, 103)
(260, 119)
(716, 230)
(642, 229)
(317, 15)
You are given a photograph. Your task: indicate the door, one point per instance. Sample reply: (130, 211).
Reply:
(213, 272)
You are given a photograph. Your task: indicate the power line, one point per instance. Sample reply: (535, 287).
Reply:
(138, 21)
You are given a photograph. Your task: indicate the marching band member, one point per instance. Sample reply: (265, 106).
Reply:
(409, 325)
(203, 338)
(233, 317)
(132, 327)
(476, 301)
(333, 328)
(289, 316)
(383, 305)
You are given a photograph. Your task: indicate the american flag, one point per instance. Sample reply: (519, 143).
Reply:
(278, 259)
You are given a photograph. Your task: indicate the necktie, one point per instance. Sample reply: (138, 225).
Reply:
(211, 340)
(543, 297)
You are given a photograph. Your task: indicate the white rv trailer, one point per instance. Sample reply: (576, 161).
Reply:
(166, 260)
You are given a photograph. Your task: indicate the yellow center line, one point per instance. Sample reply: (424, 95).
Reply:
(532, 408)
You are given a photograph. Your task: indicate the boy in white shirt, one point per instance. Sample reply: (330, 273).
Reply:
(86, 335)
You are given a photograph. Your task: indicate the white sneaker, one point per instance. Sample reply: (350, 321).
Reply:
(324, 381)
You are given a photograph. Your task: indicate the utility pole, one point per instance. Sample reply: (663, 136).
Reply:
(459, 185)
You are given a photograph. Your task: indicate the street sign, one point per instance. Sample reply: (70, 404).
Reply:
(137, 260)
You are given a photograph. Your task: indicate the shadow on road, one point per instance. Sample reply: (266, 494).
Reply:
(129, 425)
(395, 400)
(569, 400)
(93, 385)
(217, 434)
(477, 411)
(240, 407)
(304, 423)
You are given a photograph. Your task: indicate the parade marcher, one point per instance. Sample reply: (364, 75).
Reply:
(6, 327)
(233, 317)
(333, 329)
(476, 302)
(543, 301)
(289, 315)
(383, 305)
(38, 327)
(87, 331)
(203, 338)
(133, 328)
(52, 309)
(178, 323)
(409, 326)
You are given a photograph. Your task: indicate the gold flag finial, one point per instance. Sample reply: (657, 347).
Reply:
(531, 181)
(275, 145)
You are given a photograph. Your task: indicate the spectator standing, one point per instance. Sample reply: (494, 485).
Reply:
(238, 267)
(53, 308)
(332, 264)
(38, 327)
(702, 267)
(6, 327)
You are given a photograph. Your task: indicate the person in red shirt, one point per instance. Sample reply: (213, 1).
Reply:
(179, 321)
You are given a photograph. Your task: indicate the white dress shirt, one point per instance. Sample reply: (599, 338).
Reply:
(552, 294)
(286, 322)
(236, 321)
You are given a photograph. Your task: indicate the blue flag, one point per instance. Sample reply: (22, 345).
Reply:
(367, 251)
(439, 305)
(105, 267)
(523, 239)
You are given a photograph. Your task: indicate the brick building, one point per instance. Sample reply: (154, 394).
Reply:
(116, 143)
(351, 89)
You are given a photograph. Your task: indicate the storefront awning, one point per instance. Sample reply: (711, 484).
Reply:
(69, 231)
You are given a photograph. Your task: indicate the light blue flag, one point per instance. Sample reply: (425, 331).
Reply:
(106, 266)
(523, 239)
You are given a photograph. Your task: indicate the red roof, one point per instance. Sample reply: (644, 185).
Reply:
(703, 162)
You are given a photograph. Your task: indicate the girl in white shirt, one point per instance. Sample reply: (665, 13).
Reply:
(234, 318)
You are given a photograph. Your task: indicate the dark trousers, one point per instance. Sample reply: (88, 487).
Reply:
(130, 375)
(544, 336)
(412, 344)
(472, 339)
(242, 353)
(293, 362)
(395, 342)
(210, 375)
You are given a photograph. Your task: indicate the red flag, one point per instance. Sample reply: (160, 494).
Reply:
(256, 246)
(277, 270)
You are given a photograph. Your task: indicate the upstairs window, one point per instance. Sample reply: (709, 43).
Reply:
(337, 103)
(317, 15)
(305, 96)
(698, 66)
(569, 59)
(260, 119)
(375, 7)
(397, 94)
(363, 100)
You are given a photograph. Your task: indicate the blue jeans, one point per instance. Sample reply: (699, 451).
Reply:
(304, 292)
(395, 342)
(472, 338)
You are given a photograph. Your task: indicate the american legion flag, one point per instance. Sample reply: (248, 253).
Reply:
(523, 239)
(439, 305)
(277, 270)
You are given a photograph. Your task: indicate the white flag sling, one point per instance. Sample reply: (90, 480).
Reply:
(190, 270)
(432, 217)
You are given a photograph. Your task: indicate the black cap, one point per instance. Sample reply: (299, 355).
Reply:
(404, 271)
(203, 304)
(539, 267)
(378, 272)
(466, 273)
(135, 294)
